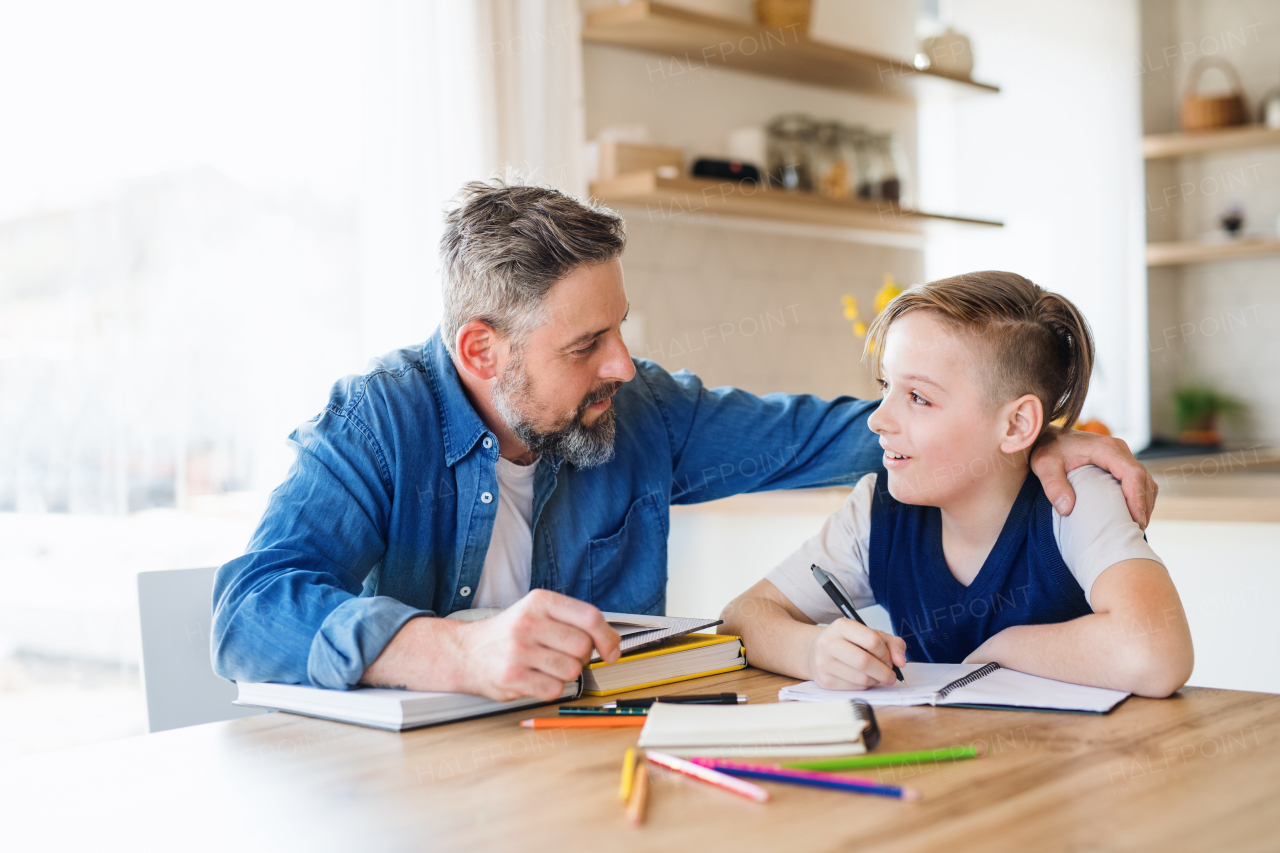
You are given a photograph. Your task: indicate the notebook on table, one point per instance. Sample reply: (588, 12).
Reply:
(676, 659)
(753, 731)
(382, 708)
(971, 686)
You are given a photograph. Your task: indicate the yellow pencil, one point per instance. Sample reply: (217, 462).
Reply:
(628, 774)
(639, 794)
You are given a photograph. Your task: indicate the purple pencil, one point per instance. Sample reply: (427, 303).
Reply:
(813, 778)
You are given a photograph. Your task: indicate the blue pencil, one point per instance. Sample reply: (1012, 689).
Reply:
(812, 778)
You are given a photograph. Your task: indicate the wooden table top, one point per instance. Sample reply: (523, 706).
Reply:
(1199, 771)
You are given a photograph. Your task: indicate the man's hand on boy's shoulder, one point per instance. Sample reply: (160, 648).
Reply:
(1071, 449)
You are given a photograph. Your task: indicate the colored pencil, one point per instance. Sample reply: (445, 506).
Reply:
(626, 722)
(706, 774)
(812, 778)
(580, 711)
(855, 762)
(628, 775)
(639, 795)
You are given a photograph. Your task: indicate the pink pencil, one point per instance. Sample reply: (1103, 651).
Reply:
(813, 778)
(721, 780)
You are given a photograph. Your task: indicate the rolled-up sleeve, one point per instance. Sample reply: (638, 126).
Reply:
(289, 610)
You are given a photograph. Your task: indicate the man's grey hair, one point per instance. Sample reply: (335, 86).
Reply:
(506, 243)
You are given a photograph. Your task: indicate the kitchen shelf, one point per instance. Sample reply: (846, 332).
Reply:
(1165, 145)
(668, 198)
(691, 41)
(1190, 252)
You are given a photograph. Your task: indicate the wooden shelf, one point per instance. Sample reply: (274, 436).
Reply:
(1204, 141)
(668, 198)
(692, 41)
(1190, 252)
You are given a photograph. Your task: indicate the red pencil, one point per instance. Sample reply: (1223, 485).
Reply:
(583, 722)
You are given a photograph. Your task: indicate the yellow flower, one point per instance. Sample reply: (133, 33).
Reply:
(860, 329)
(850, 307)
(887, 293)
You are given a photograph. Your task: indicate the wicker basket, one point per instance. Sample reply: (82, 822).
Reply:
(1201, 113)
(782, 14)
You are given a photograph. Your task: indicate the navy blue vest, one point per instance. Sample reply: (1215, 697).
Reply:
(1024, 580)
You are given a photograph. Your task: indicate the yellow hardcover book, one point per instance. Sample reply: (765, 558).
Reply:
(679, 659)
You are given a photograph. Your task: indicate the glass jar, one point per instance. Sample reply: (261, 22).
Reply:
(885, 182)
(902, 169)
(790, 147)
(873, 169)
(830, 165)
(853, 147)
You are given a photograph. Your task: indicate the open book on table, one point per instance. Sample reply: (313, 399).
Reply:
(971, 686)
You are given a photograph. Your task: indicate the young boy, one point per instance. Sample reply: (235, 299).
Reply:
(955, 538)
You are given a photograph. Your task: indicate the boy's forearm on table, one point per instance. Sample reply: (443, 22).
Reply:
(1100, 650)
(773, 639)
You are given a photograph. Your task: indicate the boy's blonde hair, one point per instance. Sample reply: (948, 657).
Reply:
(1032, 341)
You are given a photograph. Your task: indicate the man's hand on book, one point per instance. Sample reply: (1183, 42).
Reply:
(850, 656)
(533, 647)
(530, 649)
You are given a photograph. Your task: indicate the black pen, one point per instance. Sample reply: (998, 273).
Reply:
(711, 699)
(832, 587)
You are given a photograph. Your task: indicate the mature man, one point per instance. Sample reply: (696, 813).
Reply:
(520, 459)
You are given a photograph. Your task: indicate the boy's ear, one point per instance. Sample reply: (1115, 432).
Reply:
(1022, 421)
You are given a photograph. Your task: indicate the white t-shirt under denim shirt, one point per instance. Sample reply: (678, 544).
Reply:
(1096, 535)
(508, 564)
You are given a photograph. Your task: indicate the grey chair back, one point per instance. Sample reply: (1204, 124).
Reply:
(176, 611)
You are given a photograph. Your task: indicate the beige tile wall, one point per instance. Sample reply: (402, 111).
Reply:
(756, 310)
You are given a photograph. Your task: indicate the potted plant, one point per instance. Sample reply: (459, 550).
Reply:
(1197, 408)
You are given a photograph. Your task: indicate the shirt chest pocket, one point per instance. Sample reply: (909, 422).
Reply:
(629, 568)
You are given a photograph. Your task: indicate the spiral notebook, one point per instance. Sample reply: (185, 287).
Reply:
(971, 686)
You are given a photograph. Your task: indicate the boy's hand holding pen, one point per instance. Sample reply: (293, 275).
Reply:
(849, 654)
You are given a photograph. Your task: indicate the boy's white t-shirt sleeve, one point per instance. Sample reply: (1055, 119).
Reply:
(841, 547)
(1099, 531)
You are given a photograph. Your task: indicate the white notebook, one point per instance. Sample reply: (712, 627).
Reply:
(749, 731)
(380, 707)
(971, 686)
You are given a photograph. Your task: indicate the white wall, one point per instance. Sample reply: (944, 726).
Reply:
(1056, 156)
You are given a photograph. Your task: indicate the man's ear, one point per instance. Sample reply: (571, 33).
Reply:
(480, 348)
(1021, 420)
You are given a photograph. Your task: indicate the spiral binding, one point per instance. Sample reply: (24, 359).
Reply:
(968, 679)
(871, 734)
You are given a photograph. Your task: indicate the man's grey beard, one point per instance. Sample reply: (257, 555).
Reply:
(581, 444)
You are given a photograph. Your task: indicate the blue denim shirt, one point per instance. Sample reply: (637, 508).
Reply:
(387, 511)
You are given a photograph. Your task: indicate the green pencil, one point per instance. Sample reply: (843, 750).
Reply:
(853, 762)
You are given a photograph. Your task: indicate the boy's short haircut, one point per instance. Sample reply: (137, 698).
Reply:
(1032, 341)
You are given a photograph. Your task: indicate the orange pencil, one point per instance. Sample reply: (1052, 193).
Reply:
(583, 722)
(639, 795)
